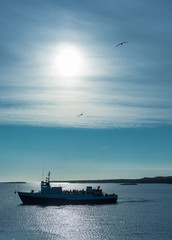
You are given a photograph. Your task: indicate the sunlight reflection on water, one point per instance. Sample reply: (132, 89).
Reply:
(73, 222)
(143, 212)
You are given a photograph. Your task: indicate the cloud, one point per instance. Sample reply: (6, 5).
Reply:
(53, 105)
(129, 86)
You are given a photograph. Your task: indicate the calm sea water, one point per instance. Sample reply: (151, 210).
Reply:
(143, 212)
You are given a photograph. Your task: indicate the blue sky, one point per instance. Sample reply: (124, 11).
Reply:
(59, 59)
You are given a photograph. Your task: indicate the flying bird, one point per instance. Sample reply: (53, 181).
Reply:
(81, 114)
(121, 43)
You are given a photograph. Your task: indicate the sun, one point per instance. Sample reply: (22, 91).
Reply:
(69, 62)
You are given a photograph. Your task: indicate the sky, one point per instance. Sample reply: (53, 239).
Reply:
(58, 59)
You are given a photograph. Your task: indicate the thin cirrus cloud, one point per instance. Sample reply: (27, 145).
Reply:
(59, 107)
(128, 86)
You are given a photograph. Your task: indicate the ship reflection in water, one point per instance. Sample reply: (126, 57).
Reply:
(57, 196)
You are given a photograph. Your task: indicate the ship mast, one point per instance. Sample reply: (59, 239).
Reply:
(48, 178)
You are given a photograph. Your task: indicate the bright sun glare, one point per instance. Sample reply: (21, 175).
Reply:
(69, 62)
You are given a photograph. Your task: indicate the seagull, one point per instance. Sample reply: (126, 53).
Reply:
(81, 114)
(121, 43)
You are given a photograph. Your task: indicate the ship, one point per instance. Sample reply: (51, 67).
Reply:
(49, 195)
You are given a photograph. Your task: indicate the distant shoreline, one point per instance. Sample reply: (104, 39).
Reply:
(13, 182)
(126, 181)
(147, 180)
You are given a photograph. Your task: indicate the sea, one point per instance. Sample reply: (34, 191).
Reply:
(143, 212)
